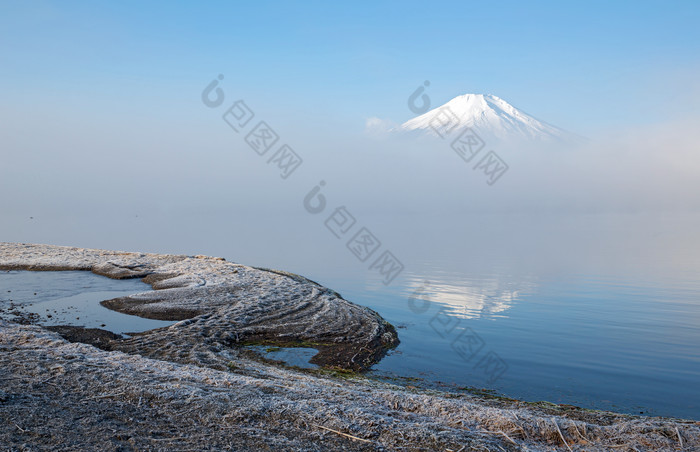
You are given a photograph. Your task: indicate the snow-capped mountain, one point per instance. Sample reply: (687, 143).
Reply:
(486, 114)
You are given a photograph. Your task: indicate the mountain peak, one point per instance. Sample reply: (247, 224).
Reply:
(488, 115)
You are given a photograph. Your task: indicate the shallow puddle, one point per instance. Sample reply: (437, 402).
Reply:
(70, 298)
(291, 356)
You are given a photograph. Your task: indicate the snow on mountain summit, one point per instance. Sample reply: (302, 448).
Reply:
(487, 115)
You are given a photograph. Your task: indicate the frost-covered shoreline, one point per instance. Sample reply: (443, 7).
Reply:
(188, 388)
(220, 304)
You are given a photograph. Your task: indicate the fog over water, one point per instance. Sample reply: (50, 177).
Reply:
(579, 268)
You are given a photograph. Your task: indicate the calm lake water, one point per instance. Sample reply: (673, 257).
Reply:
(599, 311)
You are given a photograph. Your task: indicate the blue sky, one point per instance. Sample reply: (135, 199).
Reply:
(582, 66)
(104, 138)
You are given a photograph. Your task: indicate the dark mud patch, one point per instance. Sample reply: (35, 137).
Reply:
(114, 271)
(96, 337)
(155, 278)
